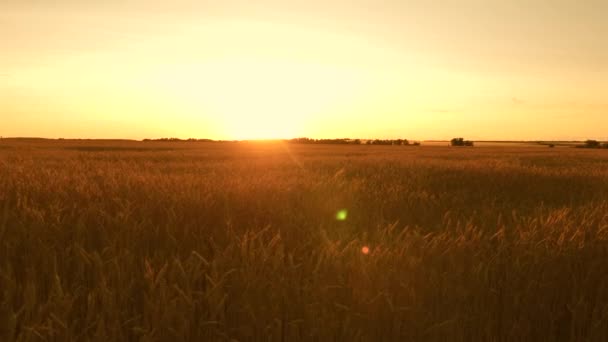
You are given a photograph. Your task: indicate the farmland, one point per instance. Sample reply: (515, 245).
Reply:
(160, 241)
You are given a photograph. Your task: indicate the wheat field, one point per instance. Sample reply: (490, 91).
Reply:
(134, 241)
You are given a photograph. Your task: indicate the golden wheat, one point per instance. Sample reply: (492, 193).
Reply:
(209, 241)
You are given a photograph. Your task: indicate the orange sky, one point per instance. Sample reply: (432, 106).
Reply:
(279, 69)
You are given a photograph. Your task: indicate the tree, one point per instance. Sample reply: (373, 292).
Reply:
(460, 142)
(592, 144)
(457, 142)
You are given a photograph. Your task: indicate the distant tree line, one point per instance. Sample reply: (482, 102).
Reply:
(341, 141)
(593, 144)
(347, 141)
(344, 141)
(186, 140)
(397, 142)
(460, 142)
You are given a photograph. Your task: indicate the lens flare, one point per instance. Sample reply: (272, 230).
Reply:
(341, 215)
(365, 250)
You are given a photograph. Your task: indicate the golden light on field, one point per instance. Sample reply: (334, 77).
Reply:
(322, 69)
(127, 240)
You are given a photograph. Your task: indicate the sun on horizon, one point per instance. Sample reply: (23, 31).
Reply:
(282, 70)
(259, 98)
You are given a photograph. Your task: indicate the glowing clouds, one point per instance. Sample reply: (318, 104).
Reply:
(341, 215)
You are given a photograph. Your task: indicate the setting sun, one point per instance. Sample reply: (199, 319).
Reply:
(283, 70)
(315, 170)
(254, 98)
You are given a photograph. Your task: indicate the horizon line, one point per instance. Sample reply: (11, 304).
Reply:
(174, 139)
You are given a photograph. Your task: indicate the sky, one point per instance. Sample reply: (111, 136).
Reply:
(419, 69)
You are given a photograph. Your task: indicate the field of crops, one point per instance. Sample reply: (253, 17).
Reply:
(114, 241)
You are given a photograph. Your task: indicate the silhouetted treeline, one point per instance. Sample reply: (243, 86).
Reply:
(593, 144)
(187, 140)
(460, 142)
(398, 142)
(347, 141)
(344, 141)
